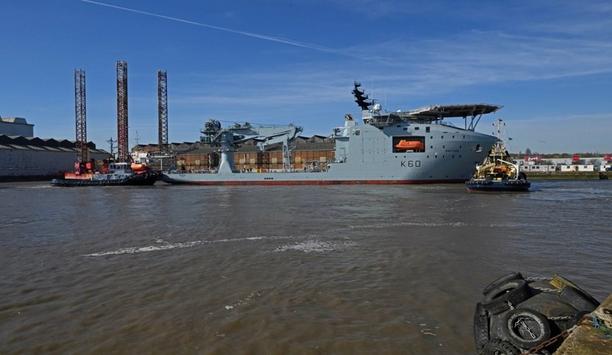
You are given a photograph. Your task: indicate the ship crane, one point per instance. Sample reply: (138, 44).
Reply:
(227, 140)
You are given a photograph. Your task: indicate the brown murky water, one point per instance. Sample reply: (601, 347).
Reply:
(266, 270)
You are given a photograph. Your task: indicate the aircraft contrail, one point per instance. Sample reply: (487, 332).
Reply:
(285, 41)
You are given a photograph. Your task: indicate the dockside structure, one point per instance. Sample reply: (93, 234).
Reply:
(307, 152)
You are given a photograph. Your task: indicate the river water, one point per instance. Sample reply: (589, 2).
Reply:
(280, 270)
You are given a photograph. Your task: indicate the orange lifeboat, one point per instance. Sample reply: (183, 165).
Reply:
(406, 144)
(136, 167)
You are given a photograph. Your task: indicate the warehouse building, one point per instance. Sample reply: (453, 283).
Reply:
(308, 152)
(25, 157)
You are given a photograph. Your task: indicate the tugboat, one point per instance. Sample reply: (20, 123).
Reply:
(113, 174)
(498, 172)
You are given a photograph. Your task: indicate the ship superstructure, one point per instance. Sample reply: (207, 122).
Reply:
(400, 147)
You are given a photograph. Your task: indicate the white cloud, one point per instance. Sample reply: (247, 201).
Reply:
(408, 69)
(563, 133)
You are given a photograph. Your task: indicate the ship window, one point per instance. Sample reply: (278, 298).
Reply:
(441, 137)
(357, 132)
(427, 129)
(416, 128)
(443, 147)
(453, 137)
(408, 144)
(431, 137)
(406, 128)
(431, 147)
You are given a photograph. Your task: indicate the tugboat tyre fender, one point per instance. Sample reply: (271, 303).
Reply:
(501, 281)
(522, 176)
(481, 327)
(498, 300)
(525, 328)
(578, 299)
(499, 347)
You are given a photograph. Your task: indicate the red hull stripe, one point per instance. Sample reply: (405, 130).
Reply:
(316, 182)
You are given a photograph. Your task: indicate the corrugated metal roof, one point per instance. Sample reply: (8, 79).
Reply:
(20, 140)
(33, 147)
(39, 144)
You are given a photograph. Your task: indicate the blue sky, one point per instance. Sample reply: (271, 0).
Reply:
(548, 62)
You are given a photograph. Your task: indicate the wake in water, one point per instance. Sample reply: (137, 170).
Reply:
(411, 224)
(436, 225)
(315, 246)
(163, 245)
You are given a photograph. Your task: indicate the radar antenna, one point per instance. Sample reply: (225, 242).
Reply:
(360, 97)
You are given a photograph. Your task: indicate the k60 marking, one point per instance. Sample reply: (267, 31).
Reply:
(410, 163)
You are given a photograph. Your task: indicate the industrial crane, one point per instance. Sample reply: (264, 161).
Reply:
(228, 138)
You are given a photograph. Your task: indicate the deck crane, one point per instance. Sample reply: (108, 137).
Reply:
(226, 139)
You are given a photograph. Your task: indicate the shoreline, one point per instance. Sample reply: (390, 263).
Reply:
(567, 176)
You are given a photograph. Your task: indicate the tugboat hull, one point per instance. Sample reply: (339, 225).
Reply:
(137, 179)
(498, 186)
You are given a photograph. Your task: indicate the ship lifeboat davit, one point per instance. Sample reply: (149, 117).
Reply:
(406, 144)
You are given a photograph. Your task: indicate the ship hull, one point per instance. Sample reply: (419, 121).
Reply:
(498, 186)
(368, 155)
(135, 180)
(230, 182)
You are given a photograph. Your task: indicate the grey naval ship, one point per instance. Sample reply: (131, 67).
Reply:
(399, 147)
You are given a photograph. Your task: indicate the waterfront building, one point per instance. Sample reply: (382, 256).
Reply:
(24, 156)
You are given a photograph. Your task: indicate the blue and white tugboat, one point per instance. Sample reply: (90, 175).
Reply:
(113, 174)
(498, 172)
